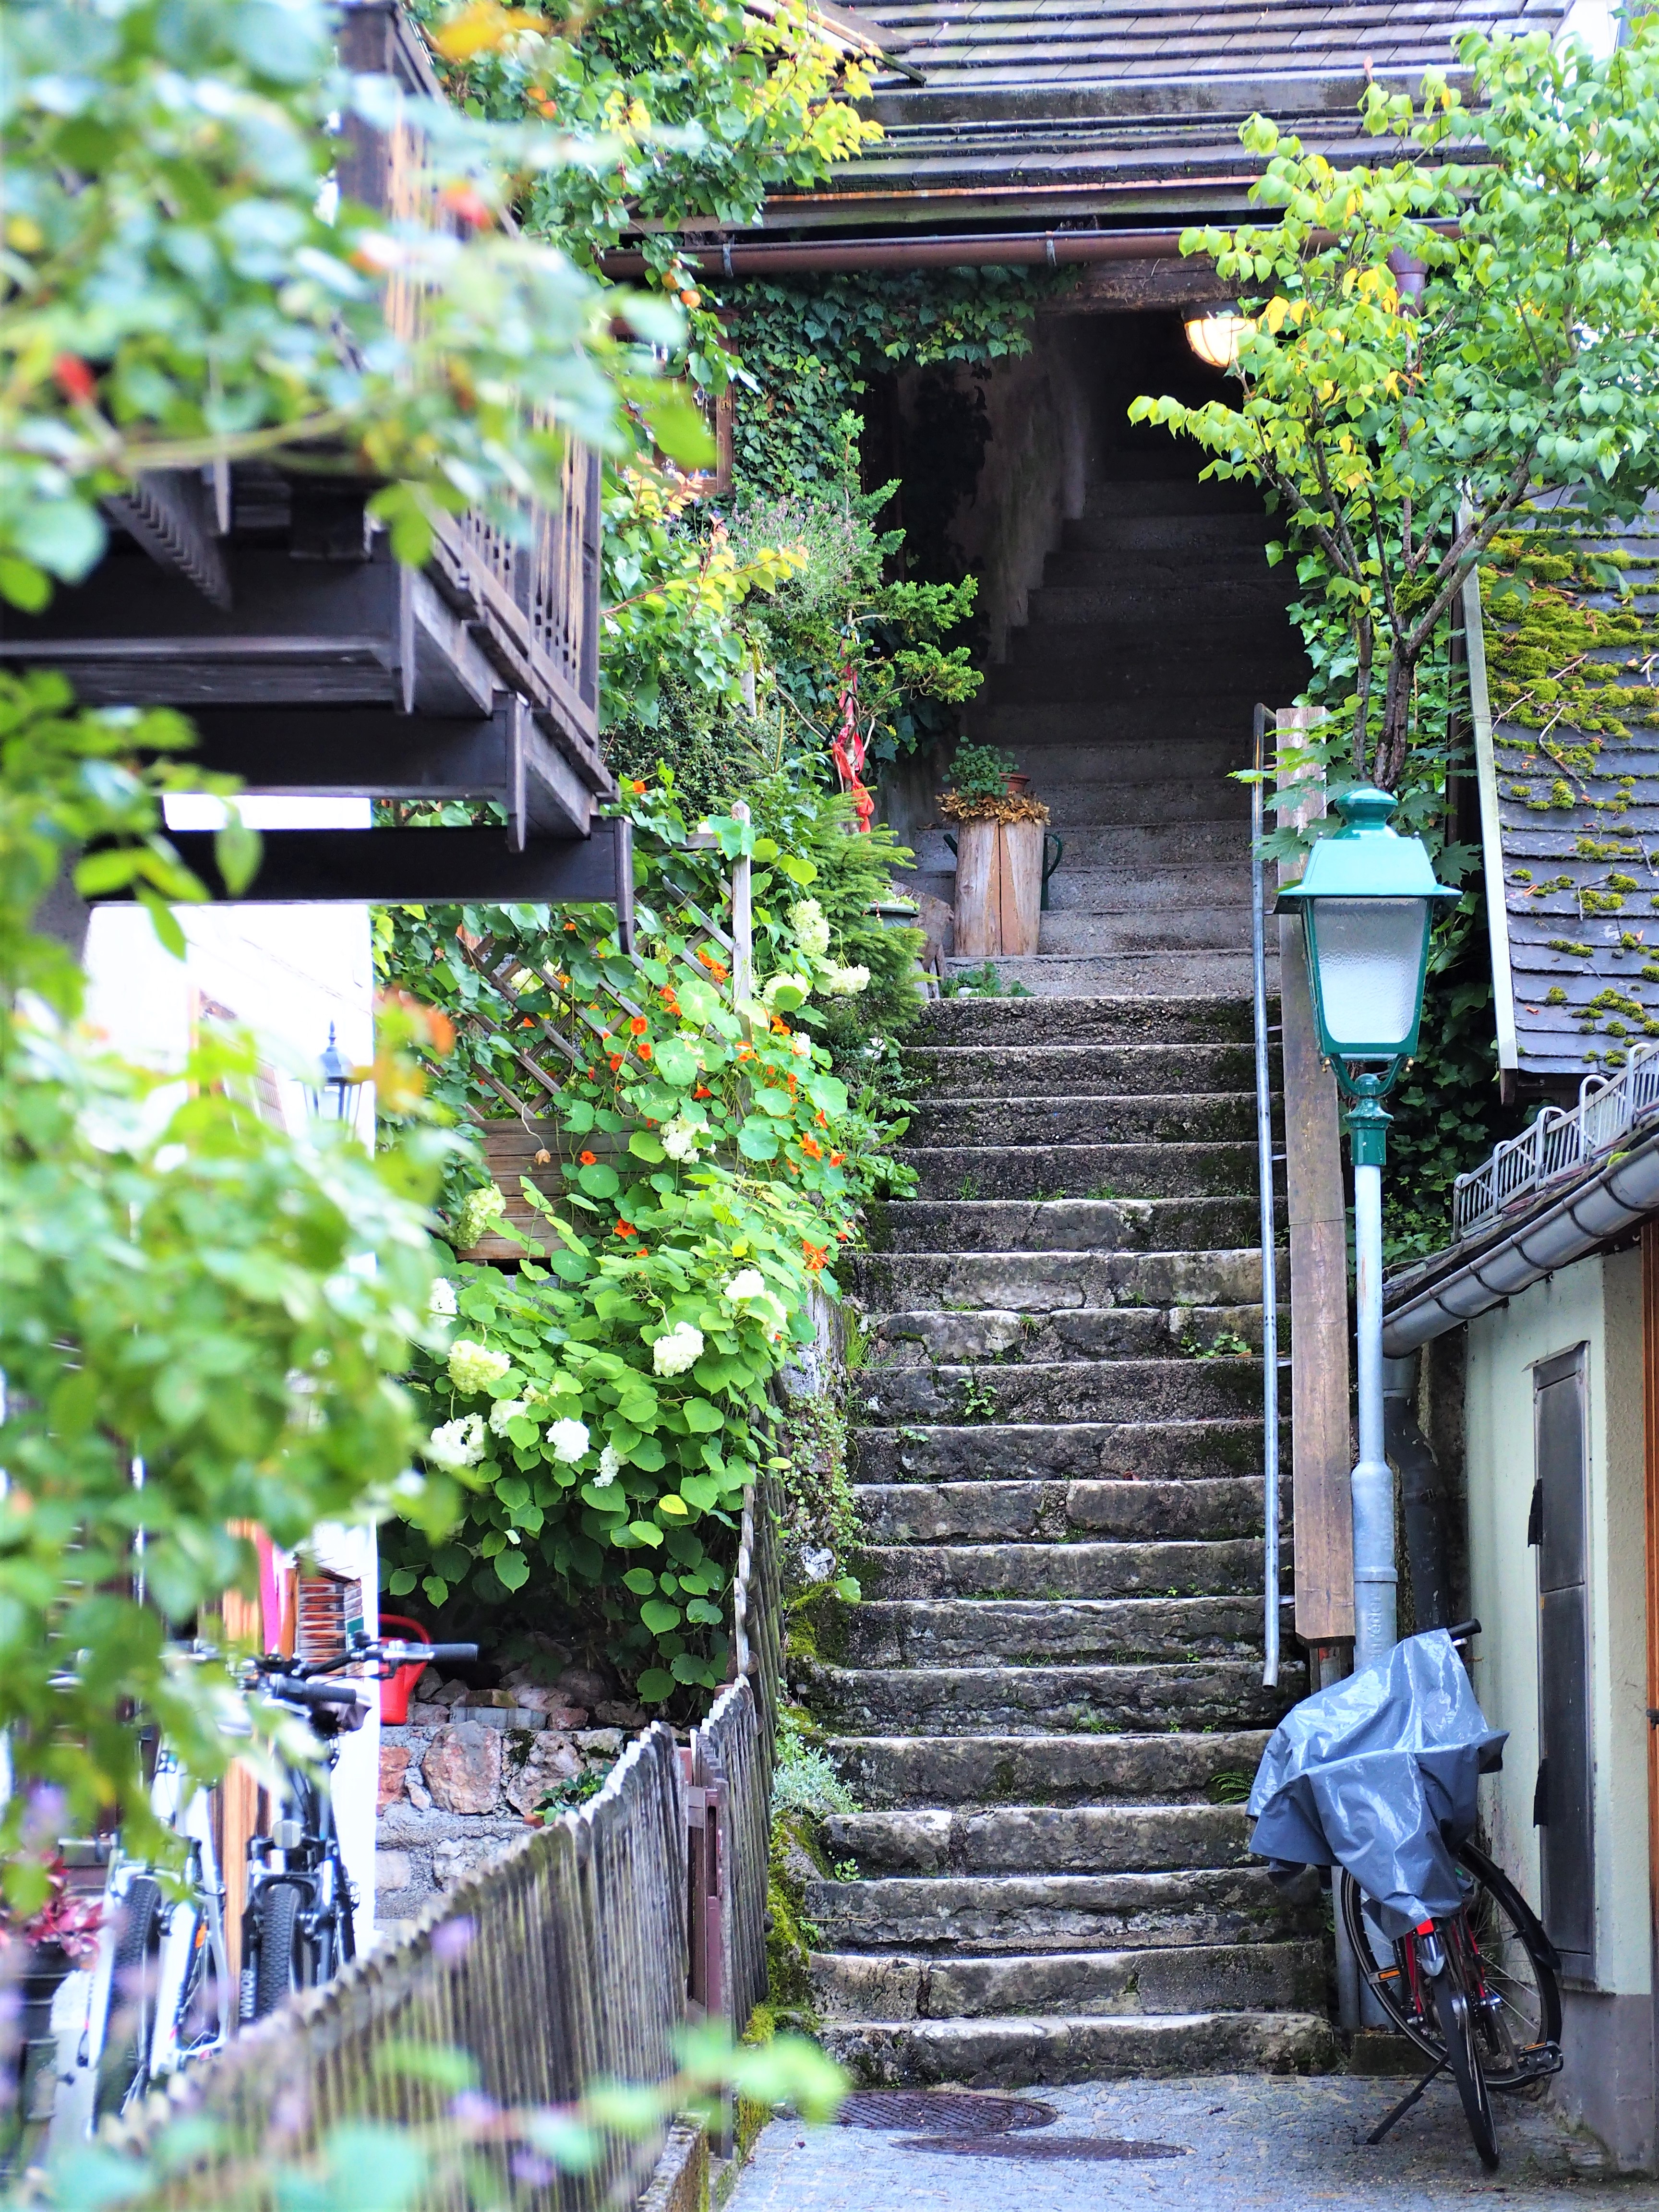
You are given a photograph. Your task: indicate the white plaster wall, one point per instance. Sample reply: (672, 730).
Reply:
(286, 972)
(1597, 1303)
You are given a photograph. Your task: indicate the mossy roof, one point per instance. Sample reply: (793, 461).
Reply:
(1571, 620)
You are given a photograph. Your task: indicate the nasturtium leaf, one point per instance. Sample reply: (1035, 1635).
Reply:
(827, 1091)
(645, 1146)
(756, 1140)
(677, 1060)
(598, 1181)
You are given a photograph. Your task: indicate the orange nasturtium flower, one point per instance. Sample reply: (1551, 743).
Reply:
(643, 1050)
(624, 1228)
(638, 1025)
(588, 1159)
(815, 1254)
(615, 1061)
(835, 1158)
(811, 1147)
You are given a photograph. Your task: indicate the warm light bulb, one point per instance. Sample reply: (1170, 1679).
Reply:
(1216, 337)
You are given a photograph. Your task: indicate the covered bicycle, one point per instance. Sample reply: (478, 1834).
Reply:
(1378, 1775)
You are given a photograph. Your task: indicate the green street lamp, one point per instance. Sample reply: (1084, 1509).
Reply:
(1367, 899)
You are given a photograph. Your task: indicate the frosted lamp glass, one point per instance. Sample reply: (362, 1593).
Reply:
(1369, 957)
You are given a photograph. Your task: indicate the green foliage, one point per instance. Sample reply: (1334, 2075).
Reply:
(182, 290)
(1399, 443)
(981, 771)
(805, 1781)
(183, 1288)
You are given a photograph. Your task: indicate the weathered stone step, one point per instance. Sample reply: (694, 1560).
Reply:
(1056, 760)
(1030, 1914)
(1121, 518)
(1210, 848)
(1193, 1018)
(1047, 1700)
(1212, 1568)
(1072, 976)
(1223, 595)
(1074, 889)
(1186, 1979)
(1072, 1225)
(963, 1631)
(1071, 1071)
(1027, 1839)
(1018, 2053)
(1221, 1168)
(1116, 664)
(1138, 1390)
(1074, 932)
(1053, 1282)
(1123, 1454)
(1061, 1515)
(1163, 1118)
(883, 1771)
(920, 1339)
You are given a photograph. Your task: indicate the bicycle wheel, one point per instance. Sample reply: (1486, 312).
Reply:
(1457, 2028)
(1517, 1997)
(129, 2026)
(280, 1962)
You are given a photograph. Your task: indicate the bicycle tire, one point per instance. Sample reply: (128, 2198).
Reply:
(1456, 2016)
(123, 2064)
(282, 1963)
(1529, 2003)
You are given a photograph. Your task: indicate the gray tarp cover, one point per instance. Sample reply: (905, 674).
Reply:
(1377, 1774)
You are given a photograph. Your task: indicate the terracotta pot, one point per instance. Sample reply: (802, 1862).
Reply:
(1018, 785)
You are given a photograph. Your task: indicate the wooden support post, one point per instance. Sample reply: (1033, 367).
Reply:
(999, 889)
(1321, 1451)
(743, 923)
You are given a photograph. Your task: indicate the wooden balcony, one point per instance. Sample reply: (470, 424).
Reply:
(265, 603)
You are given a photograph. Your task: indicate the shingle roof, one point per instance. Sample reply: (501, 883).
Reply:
(1090, 106)
(1576, 751)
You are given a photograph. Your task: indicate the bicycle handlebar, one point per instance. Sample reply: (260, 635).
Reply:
(300, 1693)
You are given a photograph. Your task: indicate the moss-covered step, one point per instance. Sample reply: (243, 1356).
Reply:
(966, 1632)
(924, 1339)
(1229, 1567)
(1054, 1912)
(1188, 1017)
(1186, 1978)
(1011, 2052)
(883, 1771)
(1030, 1840)
(1066, 1071)
(1137, 1118)
(892, 1282)
(1224, 1169)
(1114, 1391)
(1045, 1700)
(1170, 1450)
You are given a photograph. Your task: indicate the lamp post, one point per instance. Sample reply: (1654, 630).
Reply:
(1367, 899)
(335, 1097)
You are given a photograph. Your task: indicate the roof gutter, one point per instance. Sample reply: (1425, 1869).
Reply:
(1619, 1197)
(762, 257)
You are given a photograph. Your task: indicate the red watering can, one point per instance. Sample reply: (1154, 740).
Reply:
(399, 1687)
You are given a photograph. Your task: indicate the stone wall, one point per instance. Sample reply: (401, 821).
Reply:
(459, 1783)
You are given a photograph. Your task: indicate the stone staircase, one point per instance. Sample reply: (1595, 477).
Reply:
(1051, 1699)
(1126, 698)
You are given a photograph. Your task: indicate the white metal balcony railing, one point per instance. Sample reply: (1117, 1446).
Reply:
(1561, 1143)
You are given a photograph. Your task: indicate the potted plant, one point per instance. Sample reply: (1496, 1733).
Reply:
(999, 847)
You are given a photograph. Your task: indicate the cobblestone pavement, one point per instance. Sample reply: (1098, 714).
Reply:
(1245, 2144)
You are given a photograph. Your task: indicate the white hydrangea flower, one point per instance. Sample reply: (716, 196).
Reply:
(610, 1468)
(569, 1441)
(810, 928)
(681, 1348)
(774, 984)
(477, 1214)
(846, 982)
(747, 1283)
(459, 1443)
(679, 1138)
(474, 1367)
(441, 1302)
(505, 1410)
(801, 1045)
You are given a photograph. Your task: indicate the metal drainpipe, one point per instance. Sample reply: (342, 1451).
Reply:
(1374, 1578)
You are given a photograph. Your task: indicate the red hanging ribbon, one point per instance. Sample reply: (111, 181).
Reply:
(846, 748)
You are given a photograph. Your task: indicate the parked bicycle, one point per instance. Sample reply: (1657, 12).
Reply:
(1377, 1777)
(297, 1928)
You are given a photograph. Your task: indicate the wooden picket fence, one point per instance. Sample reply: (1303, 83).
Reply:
(574, 1958)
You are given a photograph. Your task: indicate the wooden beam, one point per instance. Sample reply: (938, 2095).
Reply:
(1133, 287)
(429, 867)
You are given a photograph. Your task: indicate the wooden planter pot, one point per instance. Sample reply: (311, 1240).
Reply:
(999, 889)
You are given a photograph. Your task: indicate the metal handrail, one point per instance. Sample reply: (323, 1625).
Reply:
(1264, 1141)
(1559, 1143)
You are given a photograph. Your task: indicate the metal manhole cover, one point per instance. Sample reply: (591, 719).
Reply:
(943, 2112)
(1082, 2148)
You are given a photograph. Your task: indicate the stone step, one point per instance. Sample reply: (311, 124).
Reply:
(1042, 1770)
(1117, 664)
(1054, 2049)
(1066, 1071)
(1073, 1225)
(1205, 1509)
(892, 1986)
(1182, 499)
(1051, 1571)
(1081, 976)
(1028, 1839)
(923, 1339)
(1163, 1119)
(1213, 1169)
(1025, 1914)
(1173, 570)
(1103, 754)
(1227, 594)
(1045, 1700)
(1016, 1633)
(1185, 1018)
(1204, 849)
(1053, 1282)
(1171, 521)
(1118, 1390)
(1139, 723)
(1076, 932)
(1102, 801)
